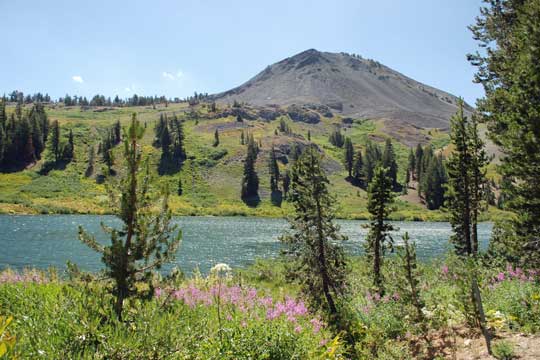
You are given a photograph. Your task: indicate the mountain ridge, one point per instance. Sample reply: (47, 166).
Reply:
(348, 84)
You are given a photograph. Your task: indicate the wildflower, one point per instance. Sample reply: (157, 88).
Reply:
(444, 270)
(396, 296)
(221, 269)
(500, 276)
(298, 329)
(316, 324)
(157, 292)
(323, 342)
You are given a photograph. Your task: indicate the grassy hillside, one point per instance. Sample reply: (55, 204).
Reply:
(211, 176)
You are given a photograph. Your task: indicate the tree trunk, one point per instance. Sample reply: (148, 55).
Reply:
(480, 312)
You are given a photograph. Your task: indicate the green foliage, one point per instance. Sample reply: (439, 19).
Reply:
(337, 138)
(504, 350)
(313, 241)
(508, 33)
(388, 161)
(349, 156)
(378, 241)
(250, 181)
(143, 243)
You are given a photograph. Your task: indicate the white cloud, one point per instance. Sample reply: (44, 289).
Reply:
(77, 78)
(170, 76)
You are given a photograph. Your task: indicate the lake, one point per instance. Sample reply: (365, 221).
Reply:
(50, 240)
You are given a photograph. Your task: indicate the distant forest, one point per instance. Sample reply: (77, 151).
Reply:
(100, 100)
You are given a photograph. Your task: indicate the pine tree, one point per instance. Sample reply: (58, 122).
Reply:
(242, 138)
(349, 156)
(117, 132)
(312, 241)
(410, 288)
(286, 182)
(418, 156)
(411, 165)
(336, 138)
(508, 33)
(433, 183)
(372, 159)
(250, 181)
(91, 160)
(146, 239)
(358, 166)
(216, 138)
(54, 142)
(69, 148)
(389, 163)
(465, 164)
(273, 169)
(309, 135)
(177, 131)
(378, 241)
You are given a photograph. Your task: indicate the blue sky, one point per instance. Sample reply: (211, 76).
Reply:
(177, 47)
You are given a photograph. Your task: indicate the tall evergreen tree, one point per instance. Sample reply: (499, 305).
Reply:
(358, 168)
(389, 162)
(434, 181)
(273, 169)
(465, 173)
(378, 241)
(146, 239)
(372, 159)
(418, 155)
(312, 242)
(349, 156)
(508, 65)
(411, 165)
(91, 161)
(250, 181)
(54, 142)
(216, 138)
(286, 182)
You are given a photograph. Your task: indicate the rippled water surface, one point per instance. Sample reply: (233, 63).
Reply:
(51, 240)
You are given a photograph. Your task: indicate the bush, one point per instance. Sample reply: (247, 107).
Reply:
(503, 350)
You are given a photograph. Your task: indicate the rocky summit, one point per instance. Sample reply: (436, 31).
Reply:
(349, 85)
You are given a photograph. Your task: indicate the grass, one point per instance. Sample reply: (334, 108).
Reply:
(211, 178)
(240, 316)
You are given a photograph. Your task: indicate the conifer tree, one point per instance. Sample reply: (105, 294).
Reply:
(286, 182)
(349, 156)
(411, 165)
(389, 162)
(146, 239)
(464, 165)
(313, 238)
(69, 148)
(216, 138)
(250, 181)
(372, 159)
(378, 241)
(273, 169)
(91, 160)
(117, 132)
(54, 143)
(418, 156)
(358, 166)
(309, 135)
(508, 33)
(434, 180)
(177, 131)
(242, 138)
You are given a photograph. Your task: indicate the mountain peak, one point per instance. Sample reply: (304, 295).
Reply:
(349, 84)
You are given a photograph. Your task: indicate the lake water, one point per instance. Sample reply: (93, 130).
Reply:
(51, 240)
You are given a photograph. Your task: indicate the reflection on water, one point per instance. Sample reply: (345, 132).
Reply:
(51, 240)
